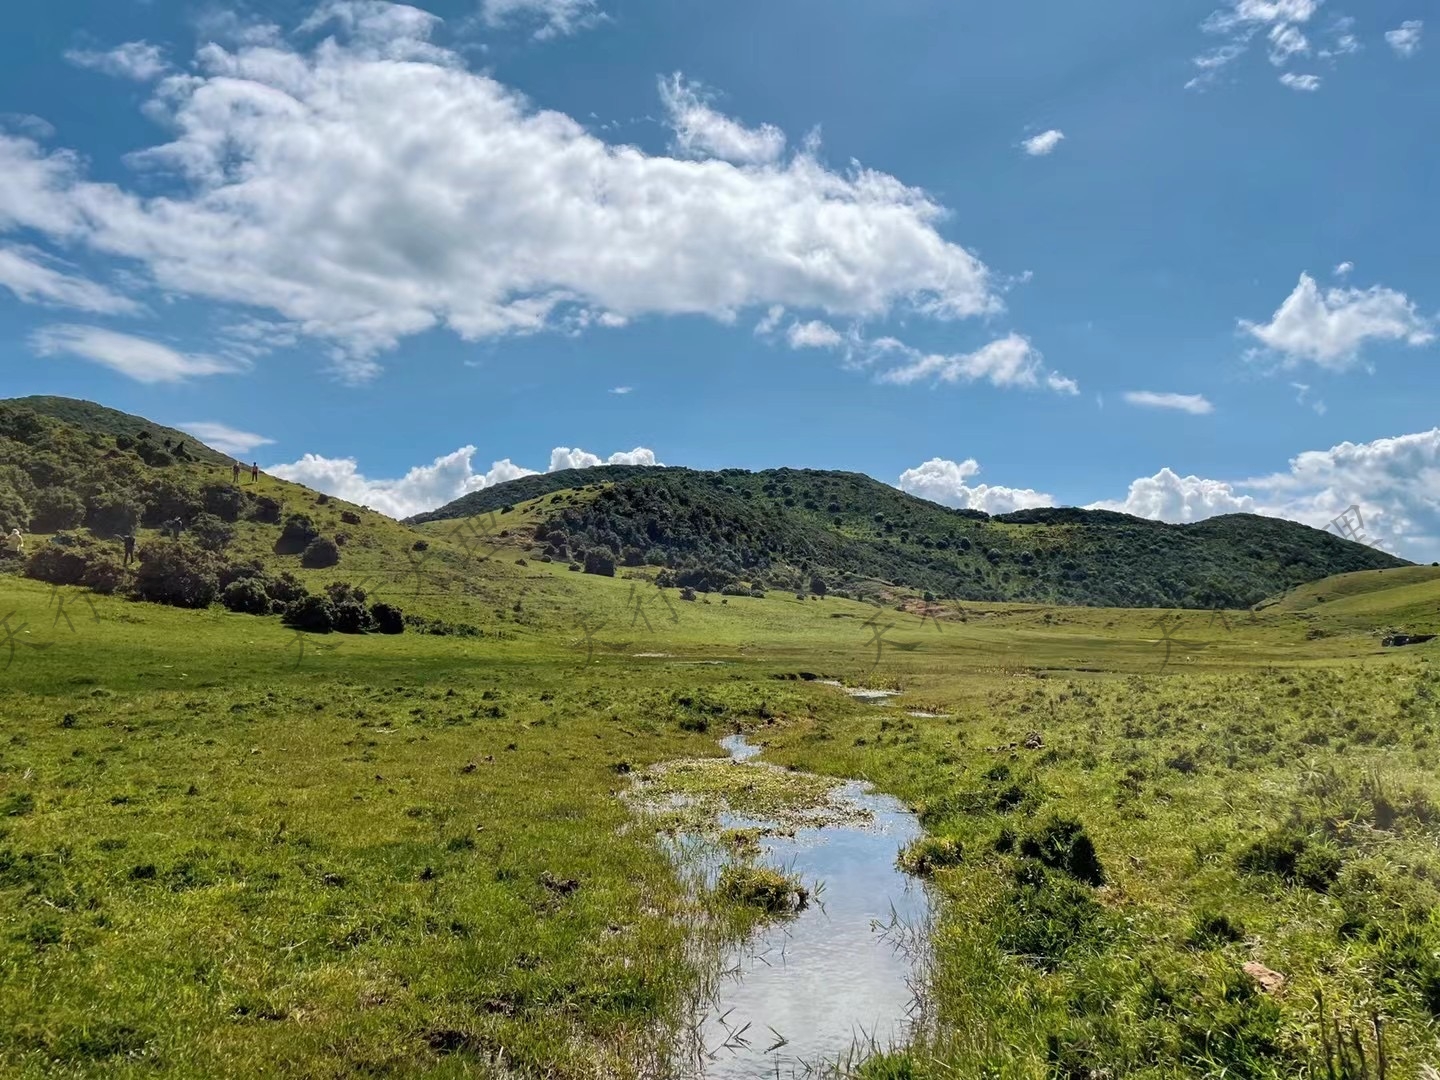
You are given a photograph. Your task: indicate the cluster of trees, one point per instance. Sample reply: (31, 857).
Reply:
(183, 573)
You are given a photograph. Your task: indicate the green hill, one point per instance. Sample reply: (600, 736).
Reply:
(100, 420)
(781, 528)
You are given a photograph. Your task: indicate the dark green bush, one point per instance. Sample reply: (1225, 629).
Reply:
(105, 573)
(247, 595)
(600, 562)
(62, 561)
(296, 534)
(320, 553)
(54, 509)
(178, 573)
(387, 619)
(286, 588)
(315, 614)
(352, 617)
(210, 532)
(114, 514)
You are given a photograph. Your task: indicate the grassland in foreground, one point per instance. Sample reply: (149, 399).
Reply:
(392, 856)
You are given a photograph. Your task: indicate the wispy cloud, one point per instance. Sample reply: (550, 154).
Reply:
(1305, 83)
(35, 278)
(138, 60)
(622, 389)
(138, 358)
(223, 437)
(551, 18)
(1195, 404)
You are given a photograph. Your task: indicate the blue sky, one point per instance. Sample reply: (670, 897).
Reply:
(1174, 259)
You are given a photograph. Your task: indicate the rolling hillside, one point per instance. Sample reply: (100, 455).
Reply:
(784, 528)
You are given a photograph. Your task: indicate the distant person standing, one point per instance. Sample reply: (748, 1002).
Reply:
(254, 472)
(235, 472)
(129, 541)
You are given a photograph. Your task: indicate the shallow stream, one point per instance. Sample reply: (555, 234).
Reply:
(839, 979)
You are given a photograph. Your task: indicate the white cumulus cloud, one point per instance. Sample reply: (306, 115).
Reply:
(1406, 40)
(1330, 327)
(302, 187)
(139, 358)
(426, 487)
(949, 483)
(1196, 404)
(813, 335)
(1167, 496)
(1044, 143)
(702, 132)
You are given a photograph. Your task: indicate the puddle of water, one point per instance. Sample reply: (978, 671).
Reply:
(860, 693)
(832, 981)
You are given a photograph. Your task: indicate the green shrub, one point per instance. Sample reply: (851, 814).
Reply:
(178, 573)
(247, 596)
(54, 509)
(387, 619)
(210, 532)
(114, 514)
(286, 588)
(105, 573)
(600, 562)
(352, 617)
(62, 561)
(296, 535)
(225, 501)
(320, 553)
(315, 614)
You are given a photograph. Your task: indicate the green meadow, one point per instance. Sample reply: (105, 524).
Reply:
(228, 848)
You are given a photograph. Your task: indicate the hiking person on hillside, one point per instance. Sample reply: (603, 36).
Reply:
(129, 541)
(15, 543)
(235, 472)
(254, 472)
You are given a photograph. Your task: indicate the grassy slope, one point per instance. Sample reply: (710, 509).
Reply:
(93, 417)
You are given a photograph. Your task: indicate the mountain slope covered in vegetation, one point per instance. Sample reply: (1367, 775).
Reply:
(808, 529)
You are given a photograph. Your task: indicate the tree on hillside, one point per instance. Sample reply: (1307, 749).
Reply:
(817, 585)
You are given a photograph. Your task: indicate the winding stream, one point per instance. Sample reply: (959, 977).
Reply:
(838, 980)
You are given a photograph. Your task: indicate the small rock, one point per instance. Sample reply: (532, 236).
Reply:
(469, 767)
(1034, 741)
(1269, 981)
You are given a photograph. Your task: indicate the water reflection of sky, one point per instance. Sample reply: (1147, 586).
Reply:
(832, 976)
